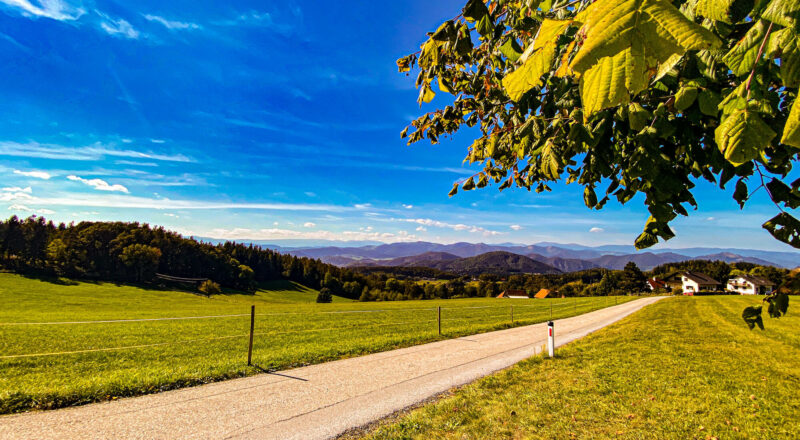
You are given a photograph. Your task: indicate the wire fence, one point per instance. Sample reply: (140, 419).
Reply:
(434, 322)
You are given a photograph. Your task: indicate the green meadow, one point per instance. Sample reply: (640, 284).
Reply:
(683, 368)
(66, 343)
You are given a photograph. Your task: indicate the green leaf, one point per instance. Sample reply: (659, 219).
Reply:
(783, 12)
(624, 42)
(778, 304)
(791, 132)
(741, 193)
(638, 117)
(752, 316)
(782, 193)
(426, 94)
(537, 60)
(645, 240)
(511, 50)
(742, 136)
(589, 197)
(550, 163)
(744, 54)
(709, 102)
(784, 228)
(728, 11)
(475, 10)
(785, 44)
(469, 184)
(453, 191)
(485, 25)
(685, 98)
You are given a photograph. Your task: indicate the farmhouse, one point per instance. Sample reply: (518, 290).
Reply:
(749, 285)
(694, 283)
(542, 294)
(655, 283)
(514, 294)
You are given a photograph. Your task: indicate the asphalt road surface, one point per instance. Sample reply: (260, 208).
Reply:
(314, 402)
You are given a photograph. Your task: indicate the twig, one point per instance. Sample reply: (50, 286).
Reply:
(758, 58)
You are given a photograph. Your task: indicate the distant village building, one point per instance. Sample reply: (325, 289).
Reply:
(514, 294)
(655, 283)
(694, 283)
(749, 285)
(544, 293)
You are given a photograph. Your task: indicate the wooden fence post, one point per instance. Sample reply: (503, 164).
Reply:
(439, 318)
(252, 327)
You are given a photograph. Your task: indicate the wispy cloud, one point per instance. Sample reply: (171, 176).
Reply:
(55, 9)
(24, 208)
(516, 227)
(96, 151)
(99, 184)
(118, 27)
(458, 227)
(18, 189)
(596, 230)
(35, 174)
(309, 225)
(284, 234)
(408, 206)
(173, 25)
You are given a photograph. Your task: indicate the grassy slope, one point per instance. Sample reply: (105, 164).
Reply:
(290, 330)
(680, 369)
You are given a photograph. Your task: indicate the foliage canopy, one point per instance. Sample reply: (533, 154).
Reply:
(623, 97)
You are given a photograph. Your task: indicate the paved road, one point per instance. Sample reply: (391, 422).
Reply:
(315, 402)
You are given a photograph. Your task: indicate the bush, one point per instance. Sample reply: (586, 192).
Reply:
(325, 296)
(210, 288)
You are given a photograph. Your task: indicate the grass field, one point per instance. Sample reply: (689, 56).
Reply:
(683, 368)
(54, 354)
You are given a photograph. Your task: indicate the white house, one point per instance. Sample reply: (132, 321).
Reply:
(749, 285)
(695, 282)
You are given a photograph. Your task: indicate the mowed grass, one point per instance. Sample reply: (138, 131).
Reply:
(683, 368)
(54, 354)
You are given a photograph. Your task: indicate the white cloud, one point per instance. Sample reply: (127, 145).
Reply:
(282, 234)
(172, 24)
(711, 219)
(18, 189)
(96, 151)
(55, 9)
(516, 227)
(37, 174)
(99, 184)
(158, 141)
(456, 227)
(597, 230)
(118, 27)
(422, 229)
(171, 215)
(408, 206)
(310, 194)
(309, 225)
(24, 208)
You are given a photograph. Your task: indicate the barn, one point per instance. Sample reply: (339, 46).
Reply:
(514, 294)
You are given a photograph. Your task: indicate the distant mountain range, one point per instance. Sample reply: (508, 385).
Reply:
(561, 257)
(497, 262)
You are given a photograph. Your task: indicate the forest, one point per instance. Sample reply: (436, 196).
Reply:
(135, 253)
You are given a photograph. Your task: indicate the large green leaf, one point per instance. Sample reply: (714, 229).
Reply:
(624, 43)
(744, 55)
(752, 316)
(742, 136)
(791, 132)
(784, 227)
(537, 60)
(728, 11)
(550, 164)
(783, 12)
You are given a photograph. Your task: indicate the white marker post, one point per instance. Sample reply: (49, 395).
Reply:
(551, 339)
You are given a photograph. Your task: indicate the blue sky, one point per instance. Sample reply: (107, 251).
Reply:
(269, 121)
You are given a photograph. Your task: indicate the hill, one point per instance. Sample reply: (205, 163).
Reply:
(499, 263)
(564, 264)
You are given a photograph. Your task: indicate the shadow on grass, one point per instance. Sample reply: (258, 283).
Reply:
(273, 373)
